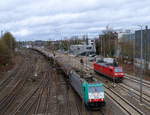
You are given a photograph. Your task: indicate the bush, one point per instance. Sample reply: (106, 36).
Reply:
(7, 47)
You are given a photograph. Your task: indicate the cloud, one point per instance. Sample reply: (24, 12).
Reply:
(22, 33)
(44, 19)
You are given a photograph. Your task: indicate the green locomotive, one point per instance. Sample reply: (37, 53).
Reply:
(90, 91)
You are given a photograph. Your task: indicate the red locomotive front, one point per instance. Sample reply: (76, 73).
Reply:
(111, 70)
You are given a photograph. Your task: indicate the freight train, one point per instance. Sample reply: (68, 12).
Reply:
(108, 67)
(90, 91)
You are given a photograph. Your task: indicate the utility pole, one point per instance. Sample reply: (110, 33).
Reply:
(134, 55)
(146, 41)
(141, 73)
(1, 33)
(101, 45)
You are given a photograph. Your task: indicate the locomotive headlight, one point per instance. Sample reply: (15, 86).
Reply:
(91, 96)
(101, 95)
(121, 74)
(116, 73)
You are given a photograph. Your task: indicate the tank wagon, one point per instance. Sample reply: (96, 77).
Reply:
(90, 91)
(44, 52)
(110, 68)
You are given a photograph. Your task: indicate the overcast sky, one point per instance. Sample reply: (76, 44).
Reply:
(45, 19)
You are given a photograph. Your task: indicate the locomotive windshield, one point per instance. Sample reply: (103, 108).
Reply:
(95, 89)
(118, 70)
(96, 92)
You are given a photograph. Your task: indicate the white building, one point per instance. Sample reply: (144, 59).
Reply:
(91, 42)
(83, 49)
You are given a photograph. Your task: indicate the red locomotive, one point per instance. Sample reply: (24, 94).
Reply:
(109, 67)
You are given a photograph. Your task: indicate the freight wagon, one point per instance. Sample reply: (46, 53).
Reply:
(109, 68)
(90, 91)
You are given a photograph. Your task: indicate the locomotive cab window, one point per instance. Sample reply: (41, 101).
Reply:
(118, 70)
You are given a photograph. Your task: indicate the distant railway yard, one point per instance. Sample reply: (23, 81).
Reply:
(42, 83)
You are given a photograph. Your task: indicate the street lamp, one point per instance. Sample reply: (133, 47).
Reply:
(141, 74)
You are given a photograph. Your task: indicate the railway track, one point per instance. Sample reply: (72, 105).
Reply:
(122, 102)
(14, 75)
(131, 78)
(11, 73)
(135, 93)
(45, 82)
(24, 104)
(7, 80)
(43, 95)
(126, 106)
(8, 100)
(82, 110)
(15, 84)
(62, 85)
(68, 103)
(30, 102)
(22, 78)
(48, 92)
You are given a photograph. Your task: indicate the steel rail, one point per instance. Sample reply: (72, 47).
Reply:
(123, 103)
(147, 84)
(136, 92)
